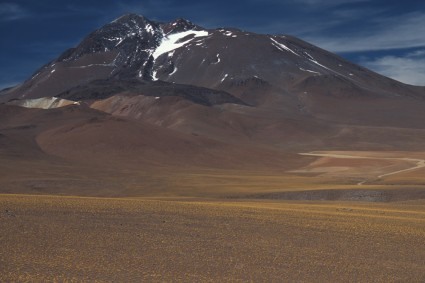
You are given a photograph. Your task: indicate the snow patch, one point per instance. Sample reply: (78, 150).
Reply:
(309, 56)
(119, 42)
(36, 75)
(154, 77)
(311, 59)
(173, 72)
(283, 47)
(169, 42)
(149, 29)
(93, 65)
(305, 70)
(317, 63)
(44, 103)
(228, 33)
(218, 59)
(225, 76)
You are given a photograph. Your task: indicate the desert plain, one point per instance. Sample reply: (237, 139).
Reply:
(349, 216)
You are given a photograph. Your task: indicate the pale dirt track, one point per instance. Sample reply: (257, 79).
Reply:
(420, 163)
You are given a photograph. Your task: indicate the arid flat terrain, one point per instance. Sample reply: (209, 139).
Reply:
(315, 223)
(53, 238)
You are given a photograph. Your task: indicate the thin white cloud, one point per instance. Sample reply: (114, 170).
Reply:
(409, 69)
(12, 12)
(417, 53)
(405, 31)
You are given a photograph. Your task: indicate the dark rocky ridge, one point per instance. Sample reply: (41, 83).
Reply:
(102, 89)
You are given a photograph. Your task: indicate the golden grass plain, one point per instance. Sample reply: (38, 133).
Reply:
(56, 238)
(62, 222)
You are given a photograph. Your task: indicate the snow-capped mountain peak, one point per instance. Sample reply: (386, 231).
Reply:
(133, 46)
(179, 25)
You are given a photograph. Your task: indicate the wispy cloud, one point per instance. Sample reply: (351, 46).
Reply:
(12, 12)
(404, 31)
(409, 68)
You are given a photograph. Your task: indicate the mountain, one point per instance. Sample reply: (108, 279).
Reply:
(224, 92)
(182, 52)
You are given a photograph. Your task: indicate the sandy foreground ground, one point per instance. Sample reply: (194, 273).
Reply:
(57, 238)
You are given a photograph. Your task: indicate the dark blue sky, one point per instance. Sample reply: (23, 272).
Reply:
(384, 35)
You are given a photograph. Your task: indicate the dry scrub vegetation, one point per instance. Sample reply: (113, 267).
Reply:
(313, 223)
(53, 238)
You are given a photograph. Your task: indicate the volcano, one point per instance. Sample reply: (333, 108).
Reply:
(143, 92)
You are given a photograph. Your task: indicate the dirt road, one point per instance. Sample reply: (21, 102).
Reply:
(419, 163)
